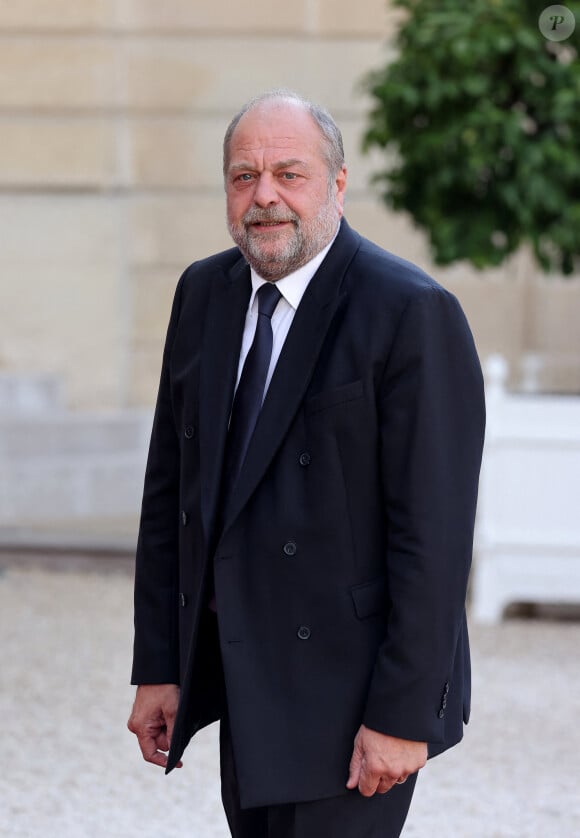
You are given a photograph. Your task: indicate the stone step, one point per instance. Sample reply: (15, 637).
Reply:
(72, 436)
(30, 393)
(78, 537)
(67, 467)
(62, 490)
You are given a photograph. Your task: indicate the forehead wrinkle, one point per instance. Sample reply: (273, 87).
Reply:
(259, 140)
(263, 141)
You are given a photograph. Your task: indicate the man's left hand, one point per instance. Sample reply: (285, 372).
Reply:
(380, 761)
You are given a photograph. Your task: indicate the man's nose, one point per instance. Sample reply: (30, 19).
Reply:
(266, 193)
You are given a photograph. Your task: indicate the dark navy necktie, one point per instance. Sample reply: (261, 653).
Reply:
(250, 392)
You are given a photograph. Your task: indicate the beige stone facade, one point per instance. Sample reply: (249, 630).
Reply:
(111, 116)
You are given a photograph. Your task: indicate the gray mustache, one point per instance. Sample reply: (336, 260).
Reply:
(258, 216)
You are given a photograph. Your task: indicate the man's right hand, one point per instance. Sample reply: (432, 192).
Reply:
(152, 719)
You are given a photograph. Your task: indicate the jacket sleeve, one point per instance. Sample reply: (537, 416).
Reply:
(156, 647)
(432, 417)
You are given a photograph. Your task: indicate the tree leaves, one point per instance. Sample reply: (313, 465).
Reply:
(483, 114)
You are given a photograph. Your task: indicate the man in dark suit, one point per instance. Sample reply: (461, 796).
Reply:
(309, 502)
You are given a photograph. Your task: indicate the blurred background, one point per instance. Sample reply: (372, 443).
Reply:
(112, 114)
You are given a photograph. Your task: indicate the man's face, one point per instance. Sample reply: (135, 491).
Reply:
(282, 208)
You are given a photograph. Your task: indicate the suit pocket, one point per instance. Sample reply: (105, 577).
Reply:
(330, 398)
(370, 598)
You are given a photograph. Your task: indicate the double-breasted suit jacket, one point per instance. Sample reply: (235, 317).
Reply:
(340, 567)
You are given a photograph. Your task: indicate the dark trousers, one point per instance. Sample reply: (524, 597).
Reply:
(348, 816)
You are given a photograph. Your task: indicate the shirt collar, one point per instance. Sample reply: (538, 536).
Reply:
(293, 286)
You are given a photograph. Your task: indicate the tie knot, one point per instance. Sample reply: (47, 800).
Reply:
(268, 297)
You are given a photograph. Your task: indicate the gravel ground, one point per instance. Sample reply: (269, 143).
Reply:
(72, 770)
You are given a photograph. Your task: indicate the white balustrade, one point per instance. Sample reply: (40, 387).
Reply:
(527, 546)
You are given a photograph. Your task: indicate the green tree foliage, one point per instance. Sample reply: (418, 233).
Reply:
(480, 118)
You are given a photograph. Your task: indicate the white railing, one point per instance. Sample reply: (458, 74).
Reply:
(528, 530)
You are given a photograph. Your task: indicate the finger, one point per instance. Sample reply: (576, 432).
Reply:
(164, 743)
(150, 751)
(169, 722)
(354, 770)
(368, 781)
(384, 786)
(402, 779)
(157, 758)
(352, 781)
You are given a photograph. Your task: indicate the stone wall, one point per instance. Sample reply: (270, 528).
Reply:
(111, 116)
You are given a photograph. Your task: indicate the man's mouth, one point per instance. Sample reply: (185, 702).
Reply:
(279, 223)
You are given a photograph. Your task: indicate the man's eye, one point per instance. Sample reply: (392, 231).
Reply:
(289, 176)
(245, 176)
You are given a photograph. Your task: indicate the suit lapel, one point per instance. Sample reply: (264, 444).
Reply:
(229, 297)
(295, 365)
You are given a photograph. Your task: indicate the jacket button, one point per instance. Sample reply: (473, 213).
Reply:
(303, 632)
(182, 600)
(305, 459)
(189, 431)
(290, 548)
(184, 518)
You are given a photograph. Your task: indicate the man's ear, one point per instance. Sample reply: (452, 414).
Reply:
(340, 190)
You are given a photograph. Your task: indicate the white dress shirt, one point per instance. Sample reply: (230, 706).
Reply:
(292, 288)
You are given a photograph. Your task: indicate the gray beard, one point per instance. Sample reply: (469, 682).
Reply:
(304, 244)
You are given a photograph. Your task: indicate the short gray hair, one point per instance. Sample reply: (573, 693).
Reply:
(331, 136)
